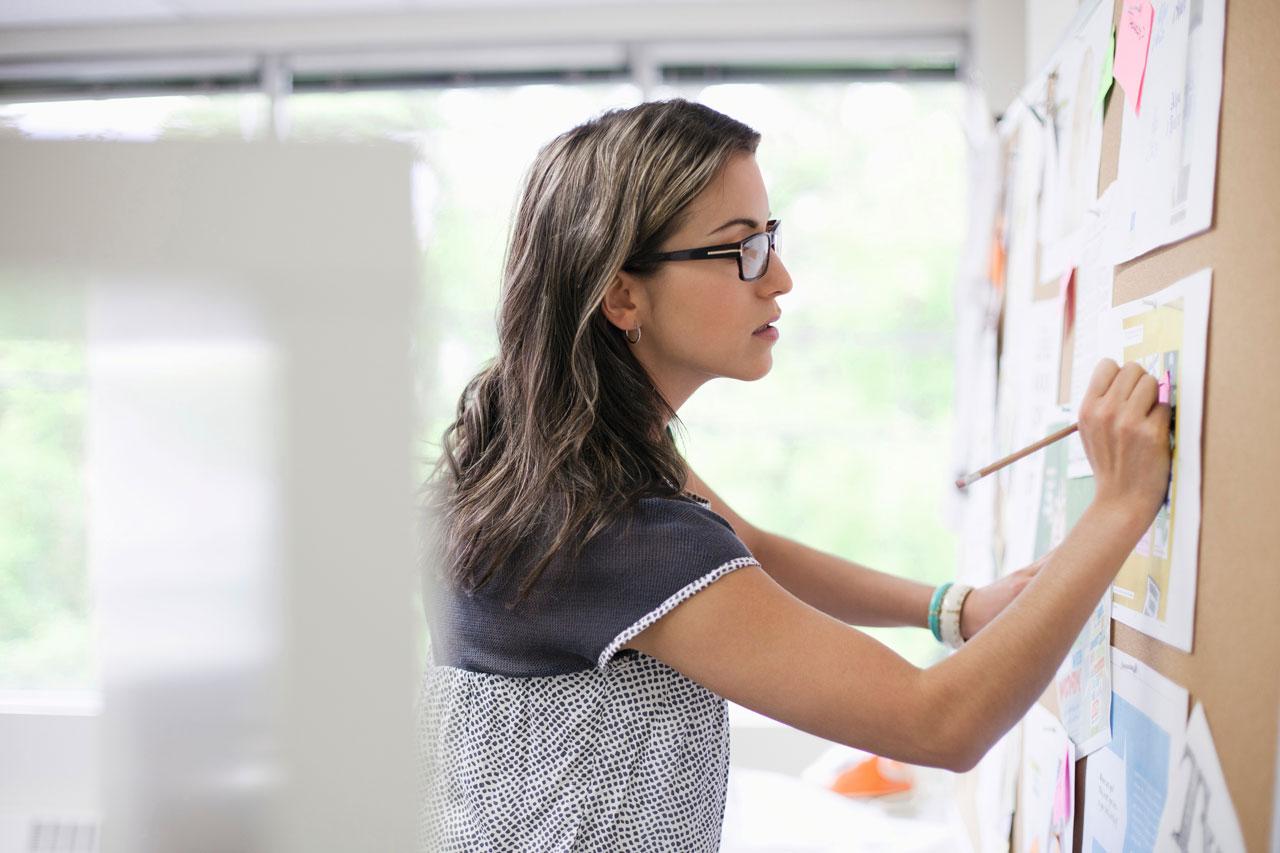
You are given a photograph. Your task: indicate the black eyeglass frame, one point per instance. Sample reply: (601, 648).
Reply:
(721, 251)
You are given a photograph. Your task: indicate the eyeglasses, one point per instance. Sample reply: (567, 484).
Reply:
(752, 252)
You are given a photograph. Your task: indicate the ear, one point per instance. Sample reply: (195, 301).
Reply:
(625, 303)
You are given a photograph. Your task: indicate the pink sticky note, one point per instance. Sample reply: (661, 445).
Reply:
(1133, 40)
(1062, 793)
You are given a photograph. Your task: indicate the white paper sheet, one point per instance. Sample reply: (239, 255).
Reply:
(1030, 360)
(1084, 684)
(1083, 681)
(1046, 810)
(1031, 350)
(1169, 151)
(1155, 589)
(1035, 335)
(1106, 814)
(995, 789)
(1071, 173)
(1199, 814)
(1095, 279)
(972, 510)
(1127, 781)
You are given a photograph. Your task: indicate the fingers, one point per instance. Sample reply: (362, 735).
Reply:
(1102, 377)
(1109, 389)
(1126, 380)
(1125, 431)
(1162, 415)
(1144, 393)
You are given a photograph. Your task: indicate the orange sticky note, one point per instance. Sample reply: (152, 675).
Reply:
(1133, 42)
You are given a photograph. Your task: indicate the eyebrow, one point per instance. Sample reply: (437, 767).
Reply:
(750, 223)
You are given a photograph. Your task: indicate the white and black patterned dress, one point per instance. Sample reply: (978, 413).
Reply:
(537, 733)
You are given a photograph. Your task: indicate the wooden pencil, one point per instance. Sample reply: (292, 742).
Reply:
(970, 479)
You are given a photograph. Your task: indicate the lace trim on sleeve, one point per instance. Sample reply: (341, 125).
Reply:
(667, 606)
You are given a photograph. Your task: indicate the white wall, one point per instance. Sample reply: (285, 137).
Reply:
(1046, 21)
(1011, 40)
(997, 49)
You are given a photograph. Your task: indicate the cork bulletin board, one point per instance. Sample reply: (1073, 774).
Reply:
(1234, 666)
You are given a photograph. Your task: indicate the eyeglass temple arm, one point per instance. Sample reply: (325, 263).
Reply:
(692, 254)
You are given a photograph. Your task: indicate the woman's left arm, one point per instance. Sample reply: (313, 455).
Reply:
(854, 593)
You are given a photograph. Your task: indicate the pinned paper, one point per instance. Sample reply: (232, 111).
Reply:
(1128, 781)
(1199, 814)
(1107, 70)
(1133, 40)
(1047, 786)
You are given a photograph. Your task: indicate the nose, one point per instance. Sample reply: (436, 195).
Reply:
(776, 279)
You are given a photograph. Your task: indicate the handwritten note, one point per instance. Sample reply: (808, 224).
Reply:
(1133, 39)
(1105, 807)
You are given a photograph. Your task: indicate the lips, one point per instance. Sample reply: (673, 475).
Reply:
(774, 319)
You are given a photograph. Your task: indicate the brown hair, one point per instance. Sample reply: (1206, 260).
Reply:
(563, 430)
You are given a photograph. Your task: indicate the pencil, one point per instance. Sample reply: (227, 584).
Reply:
(970, 479)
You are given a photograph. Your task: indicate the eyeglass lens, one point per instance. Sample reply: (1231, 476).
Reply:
(755, 255)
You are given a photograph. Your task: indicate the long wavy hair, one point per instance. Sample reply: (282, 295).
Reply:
(563, 430)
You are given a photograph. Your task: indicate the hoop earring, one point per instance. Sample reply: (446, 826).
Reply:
(627, 335)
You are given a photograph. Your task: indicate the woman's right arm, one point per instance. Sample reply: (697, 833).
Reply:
(749, 640)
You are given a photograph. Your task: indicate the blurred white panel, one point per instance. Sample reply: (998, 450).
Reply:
(208, 9)
(250, 479)
(263, 29)
(807, 52)
(62, 12)
(459, 60)
(90, 71)
(184, 545)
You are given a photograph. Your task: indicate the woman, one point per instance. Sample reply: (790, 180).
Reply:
(597, 602)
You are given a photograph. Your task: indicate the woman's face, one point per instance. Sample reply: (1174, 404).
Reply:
(698, 318)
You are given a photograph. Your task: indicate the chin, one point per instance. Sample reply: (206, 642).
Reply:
(752, 372)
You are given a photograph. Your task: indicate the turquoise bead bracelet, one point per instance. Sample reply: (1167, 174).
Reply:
(935, 610)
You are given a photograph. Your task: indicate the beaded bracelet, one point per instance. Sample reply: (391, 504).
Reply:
(935, 609)
(949, 615)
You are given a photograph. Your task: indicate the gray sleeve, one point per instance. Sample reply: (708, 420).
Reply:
(634, 573)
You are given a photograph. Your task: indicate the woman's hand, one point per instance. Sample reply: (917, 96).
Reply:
(1125, 433)
(985, 603)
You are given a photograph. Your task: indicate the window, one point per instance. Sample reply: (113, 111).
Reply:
(848, 439)
(845, 445)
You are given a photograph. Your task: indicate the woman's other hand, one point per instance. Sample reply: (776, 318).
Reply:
(986, 603)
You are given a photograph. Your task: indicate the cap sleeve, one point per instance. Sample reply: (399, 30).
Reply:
(641, 567)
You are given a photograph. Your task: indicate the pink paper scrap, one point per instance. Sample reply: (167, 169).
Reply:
(1133, 43)
(1062, 793)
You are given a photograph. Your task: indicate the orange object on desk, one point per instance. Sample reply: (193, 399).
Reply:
(874, 777)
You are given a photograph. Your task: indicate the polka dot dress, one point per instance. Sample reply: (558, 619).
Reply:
(537, 732)
(632, 758)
